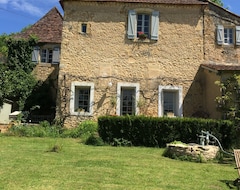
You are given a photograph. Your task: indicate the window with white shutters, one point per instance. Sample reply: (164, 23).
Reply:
(143, 25)
(228, 35)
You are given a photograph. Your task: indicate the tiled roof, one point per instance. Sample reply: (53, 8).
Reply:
(222, 67)
(151, 1)
(47, 29)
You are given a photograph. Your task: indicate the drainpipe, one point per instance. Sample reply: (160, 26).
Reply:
(203, 28)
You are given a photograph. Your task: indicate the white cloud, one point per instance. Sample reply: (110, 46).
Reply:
(24, 6)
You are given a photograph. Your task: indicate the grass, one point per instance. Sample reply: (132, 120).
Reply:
(29, 163)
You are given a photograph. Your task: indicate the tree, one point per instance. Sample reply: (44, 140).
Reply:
(218, 2)
(16, 79)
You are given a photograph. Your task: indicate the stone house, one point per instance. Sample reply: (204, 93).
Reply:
(46, 55)
(151, 57)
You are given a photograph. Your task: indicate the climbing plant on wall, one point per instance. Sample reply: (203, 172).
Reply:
(16, 80)
(229, 102)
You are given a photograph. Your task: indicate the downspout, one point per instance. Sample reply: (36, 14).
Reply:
(203, 29)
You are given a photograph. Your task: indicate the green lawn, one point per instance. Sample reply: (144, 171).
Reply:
(26, 163)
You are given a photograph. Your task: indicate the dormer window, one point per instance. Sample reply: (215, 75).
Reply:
(46, 55)
(143, 23)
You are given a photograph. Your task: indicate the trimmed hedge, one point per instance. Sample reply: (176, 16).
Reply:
(156, 132)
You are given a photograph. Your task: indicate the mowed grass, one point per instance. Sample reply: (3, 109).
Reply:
(27, 163)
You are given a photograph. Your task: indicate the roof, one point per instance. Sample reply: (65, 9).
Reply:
(221, 67)
(183, 2)
(47, 29)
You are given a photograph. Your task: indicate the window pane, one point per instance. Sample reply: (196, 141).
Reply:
(228, 35)
(84, 28)
(169, 102)
(50, 55)
(127, 101)
(143, 22)
(84, 99)
(44, 55)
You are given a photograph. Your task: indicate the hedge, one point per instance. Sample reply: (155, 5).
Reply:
(158, 131)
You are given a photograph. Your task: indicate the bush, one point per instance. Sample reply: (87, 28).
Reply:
(157, 132)
(43, 129)
(95, 140)
(84, 130)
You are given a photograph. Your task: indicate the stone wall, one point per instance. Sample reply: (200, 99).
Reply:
(219, 53)
(196, 152)
(104, 54)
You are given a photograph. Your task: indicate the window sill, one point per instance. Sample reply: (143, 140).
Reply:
(140, 40)
(87, 114)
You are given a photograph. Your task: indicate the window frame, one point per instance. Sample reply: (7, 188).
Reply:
(169, 88)
(121, 85)
(73, 98)
(48, 55)
(145, 28)
(228, 36)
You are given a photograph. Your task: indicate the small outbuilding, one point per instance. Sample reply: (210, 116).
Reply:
(5, 111)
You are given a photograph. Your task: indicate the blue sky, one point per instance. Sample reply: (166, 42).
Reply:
(17, 14)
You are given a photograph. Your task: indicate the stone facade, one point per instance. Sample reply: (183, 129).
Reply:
(104, 59)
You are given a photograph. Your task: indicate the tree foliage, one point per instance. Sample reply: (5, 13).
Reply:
(218, 2)
(16, 80)
(229, 102)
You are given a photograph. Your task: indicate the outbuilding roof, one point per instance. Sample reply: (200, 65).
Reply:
(221, 67)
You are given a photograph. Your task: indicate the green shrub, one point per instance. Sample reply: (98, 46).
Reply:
(84, 130)
(44, 129)
(157, 132)
(95, 140)
(121, 142)
(56, 148)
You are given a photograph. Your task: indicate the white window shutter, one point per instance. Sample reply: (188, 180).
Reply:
(237, 35)
(131, 24)
(220, 33)
(56, 55)
(35, 54)
(155, 25)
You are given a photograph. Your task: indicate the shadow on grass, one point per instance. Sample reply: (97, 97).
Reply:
(231, 184)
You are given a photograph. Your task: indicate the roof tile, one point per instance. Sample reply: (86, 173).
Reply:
(222, 67)
(47, 29)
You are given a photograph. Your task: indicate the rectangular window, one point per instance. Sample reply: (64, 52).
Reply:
(128, 101)
(50, 56)
(143, 24)
(127, 98)
(84, 28)
(46, 55)
(81, 101)
(228, 36)
(170, 101)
